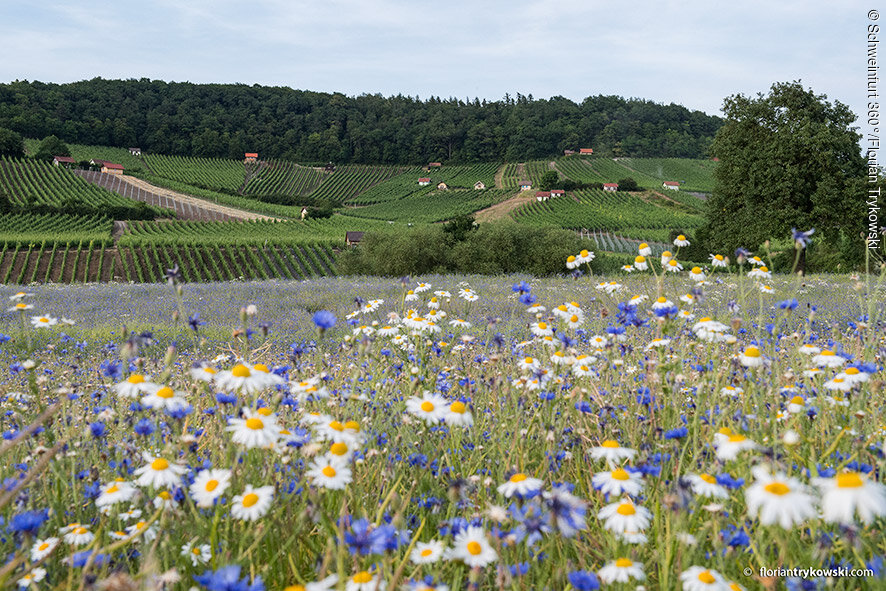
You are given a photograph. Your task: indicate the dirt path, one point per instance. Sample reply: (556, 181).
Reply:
(187, 199)
(499, 175)
(504, 208)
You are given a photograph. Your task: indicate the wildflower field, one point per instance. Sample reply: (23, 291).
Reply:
(698, 429)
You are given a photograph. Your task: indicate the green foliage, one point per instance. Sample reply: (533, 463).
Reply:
(459, 226)
(549, 180)
(51, 146)
(787, 160)
(628, 184)
(503, 247)
(11, 143)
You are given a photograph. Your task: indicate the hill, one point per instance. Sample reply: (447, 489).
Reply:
(226, 120)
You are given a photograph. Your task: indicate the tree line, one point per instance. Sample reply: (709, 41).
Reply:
(226, 120)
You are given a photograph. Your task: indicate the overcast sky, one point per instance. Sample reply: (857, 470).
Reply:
(689, 52)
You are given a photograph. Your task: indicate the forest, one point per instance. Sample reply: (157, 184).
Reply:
(226, 120)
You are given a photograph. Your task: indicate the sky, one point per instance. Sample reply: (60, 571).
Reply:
(687, 52)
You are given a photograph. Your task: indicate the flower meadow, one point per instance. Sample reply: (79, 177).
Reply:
(667, 428)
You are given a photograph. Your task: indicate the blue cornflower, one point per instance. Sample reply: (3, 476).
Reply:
(80, 558)
(583, 580)
(227, 578)
(801, 238)
(194, 322)
(678, 433)
(519, 569)
(28, 522)
(112, 369)
(144, 427)
(98, 429)
(790, 304)
(666, 311)
(533, 522)
(521, 287)
(528, 299)
(742, 253)
(567, 512)
(223, 398)
(324, 319)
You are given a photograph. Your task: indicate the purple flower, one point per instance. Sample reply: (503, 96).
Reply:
(583, 580)
(802, 238)
(324, 319)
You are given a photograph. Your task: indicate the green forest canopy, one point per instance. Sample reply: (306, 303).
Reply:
(226, 120)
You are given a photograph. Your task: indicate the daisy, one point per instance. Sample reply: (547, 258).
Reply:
(853, 375)
(19, 296)
(696, 274)
(778, 499)
(334, 430)
(662, 303)
(427, 553)
(247, 379)
(631, 537)
(760, 272)
(253, 503)
(621, 571)
(468, 295)
(665, 257)
(20, 307)
(459, 323)
(535, 309)
(797, 404)
(432, 408)
(756, 261)
(733, 391)
(164, 398)
(43, 548)
(828, 359)
(203, 373)
(35, 576)
(730, 444)
(388, 331)
(581, 370)
(521, 486)
(699, 578)
(807, 349)
(644, 249)
(422, 287)
(705, 485)
(658, 344)
(134, 386)
(673, 266)
(165, 500)
(575, 320)
(624, 516)
(471, 547)
(718, 260)
(751, 357)
(209, 485)
(141, 528)
(78, 536)
(640, 263)
(410, 296)
(585, 257)
(849, 493)
(598, 341)
(115, 492)
(681, 241)
(197, 554)
(572, 262)
(458, 415)
(612, 452)
(43, 321)
(541, 329)
(617, 482)
(159, 472)
(366, 581)
(329, 472)
(766, 289)
(839, 384)
(254, 429)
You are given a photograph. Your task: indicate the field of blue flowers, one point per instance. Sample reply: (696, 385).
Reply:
(705, 429)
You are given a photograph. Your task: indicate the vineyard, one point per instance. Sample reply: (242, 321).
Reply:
(82, 153)
(349, 181)
(285, 178)
(436, 206)
(602, 210)
(207, 173)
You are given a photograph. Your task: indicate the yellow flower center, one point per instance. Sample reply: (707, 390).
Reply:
(362, 577)
(196, 552)
(135, 378)
(827, 353)
(666, 253)
(43, 546)
(241, 371)
(764, 269)
(752, 352)
(624, 563)
(542, 325)
(352, 425)
(798, 400)
(211, 485)
(250, 500)
(626, 509)
(165, 392)
(708, 478)
(706, 577)
(339, 449)
(725, 431)
(254, 424)
(112, 489)
(426, 552)
(427, 406)
(643, 245)
(329, 472)
(662, 300)
(640, 259)
(210, 370)
(265, 411)
(696, 270)
(164, 494)
(737, 438)
(80, 531)
(475, 548)
(159, 465)
(681, 237)
(336, 426)
(849, 480)
(852, 371)
(570, 259)
(44, 319)
(620, 474)
(719, 257)
(610, 444)
(457, 407)
(518, 477)
(777, 488)
(261, 367)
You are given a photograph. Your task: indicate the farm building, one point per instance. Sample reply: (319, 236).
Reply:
(111, 168)
(586, 151)
(434, 165)
(542, 195)
(250, 157)
(610, 186)
(479, 185)
(135, 151)
(557, 192)
(424, 181)
(99, 163)
(568, 152)
(442, 186)
(63, 160)
(304, 212)
(330, 167)
(525, 185)
(672, 185)
(353, 238)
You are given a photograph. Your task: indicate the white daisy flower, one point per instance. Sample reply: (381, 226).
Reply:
(254, 429)
(366, 581)
(520, 485)
(209, 485)
(681, 241)
(458, 415)
(164, 398)
(621, 571)
(35, 576)
(427, 553)
(41, 548)
(43, 321)
(253, 504)
(778, 499)
(617, 482)
(471, 547)
(115, 492)
(431, 407)
(197, 554)
(851, 493)
(699, 578)
(624, 516)
(705, 485)
(134, 386)
(159, 472)
(612, 452)
(329, 472)
(828, 359)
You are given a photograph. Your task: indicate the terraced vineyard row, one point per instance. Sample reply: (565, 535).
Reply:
(280, 177)
(615, 243)
(230, 232)
(350, 180)
(510, 178)
(598, 209)
(56, 262)
(34, 227)
(81, 152)
(33, 183)
(406, 185)
(434, 207)
(208, 173)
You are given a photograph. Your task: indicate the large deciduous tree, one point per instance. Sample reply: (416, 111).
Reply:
(787, 160)
(11, 143)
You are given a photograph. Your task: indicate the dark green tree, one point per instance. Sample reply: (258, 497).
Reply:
(11, 143)
(628, 184)
(549, 180)
(787, 160)
(459, 226)
(51, 146)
